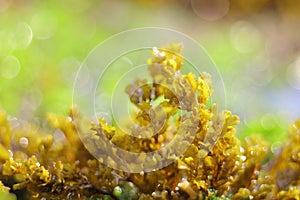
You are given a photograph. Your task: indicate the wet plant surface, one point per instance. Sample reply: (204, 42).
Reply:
(216, 164)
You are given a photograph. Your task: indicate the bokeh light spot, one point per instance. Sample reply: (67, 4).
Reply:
(76, 6)
(13, 122)
(4, 5)
(44, 25)
(9, 67)
(6, 44)
(245, 37)
(22, 36)
(268, 122)
(69, 68)
(293, 74)
(210, 10)
(260, 71)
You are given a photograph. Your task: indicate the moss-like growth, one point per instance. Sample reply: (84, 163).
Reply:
(216, 165)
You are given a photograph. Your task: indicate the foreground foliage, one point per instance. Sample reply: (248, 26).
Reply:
(216, 165)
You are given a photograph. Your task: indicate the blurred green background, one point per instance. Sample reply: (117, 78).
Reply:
(254, 43)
